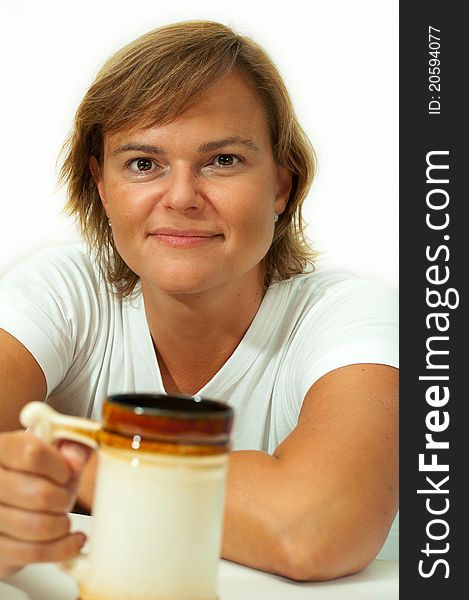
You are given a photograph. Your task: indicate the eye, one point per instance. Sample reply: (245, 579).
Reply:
(226, 160)
(141, 165)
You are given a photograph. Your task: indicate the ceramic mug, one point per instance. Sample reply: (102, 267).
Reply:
(159, 495)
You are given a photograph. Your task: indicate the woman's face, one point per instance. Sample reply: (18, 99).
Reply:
(192, 203)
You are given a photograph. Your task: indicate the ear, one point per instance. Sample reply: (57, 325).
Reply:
(284, 185)
(98, 179)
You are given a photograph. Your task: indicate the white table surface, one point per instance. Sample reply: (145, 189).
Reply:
(379, 581)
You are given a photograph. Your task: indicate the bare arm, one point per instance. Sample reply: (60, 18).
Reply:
(321, 507)
(22, 380)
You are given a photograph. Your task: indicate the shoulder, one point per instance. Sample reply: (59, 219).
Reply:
(57, 268)
(335, 319)
(61, 280)
(67, 256)
(330, 292)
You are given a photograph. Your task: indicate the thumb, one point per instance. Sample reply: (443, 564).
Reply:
(76, 455)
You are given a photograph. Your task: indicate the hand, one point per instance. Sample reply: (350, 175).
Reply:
(38, 485)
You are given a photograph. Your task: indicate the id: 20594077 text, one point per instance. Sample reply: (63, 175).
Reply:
(434, 71)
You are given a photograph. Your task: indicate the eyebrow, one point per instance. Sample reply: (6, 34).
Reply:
(135, 146)
(203, 148)
(218, 144)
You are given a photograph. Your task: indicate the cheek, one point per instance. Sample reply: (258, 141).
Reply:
(126, 204)
(255, 228)
(257, 209)
(126, 218)
(259, 221)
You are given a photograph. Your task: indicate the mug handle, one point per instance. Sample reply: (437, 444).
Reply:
(50, 425)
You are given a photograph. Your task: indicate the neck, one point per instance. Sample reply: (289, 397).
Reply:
(195, 334)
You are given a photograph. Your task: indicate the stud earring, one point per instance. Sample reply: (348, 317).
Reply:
(275, 217)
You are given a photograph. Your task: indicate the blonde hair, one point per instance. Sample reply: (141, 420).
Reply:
(152, 81)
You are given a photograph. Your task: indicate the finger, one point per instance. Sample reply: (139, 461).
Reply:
(16, 553)
(31, 492)
(32, 526)
(23, 451)
(76, 455)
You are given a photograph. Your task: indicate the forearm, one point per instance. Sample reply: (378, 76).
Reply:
(274, 522)
(271, 524)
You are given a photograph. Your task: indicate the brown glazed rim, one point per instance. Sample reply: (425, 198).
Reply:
(177, 406)
(169, 420)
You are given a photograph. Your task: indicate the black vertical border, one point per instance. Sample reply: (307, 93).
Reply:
(420, 133)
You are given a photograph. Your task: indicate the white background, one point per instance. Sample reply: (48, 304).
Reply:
(339, 59)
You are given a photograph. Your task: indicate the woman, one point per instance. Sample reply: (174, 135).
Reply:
(187, 170)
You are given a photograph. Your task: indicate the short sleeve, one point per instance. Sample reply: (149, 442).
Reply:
(354, 321)
(38, 305)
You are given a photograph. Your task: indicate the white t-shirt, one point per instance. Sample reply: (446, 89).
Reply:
(90, 343)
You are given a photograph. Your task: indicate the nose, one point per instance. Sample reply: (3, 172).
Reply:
(183, 190)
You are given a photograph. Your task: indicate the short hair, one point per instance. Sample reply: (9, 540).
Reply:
(152, 81)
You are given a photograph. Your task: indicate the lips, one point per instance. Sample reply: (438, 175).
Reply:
(184, 238)
(183, 232)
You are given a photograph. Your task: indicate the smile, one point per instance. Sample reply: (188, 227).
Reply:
(184, 239)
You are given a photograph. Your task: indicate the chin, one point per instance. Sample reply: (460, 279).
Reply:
(183, 284)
